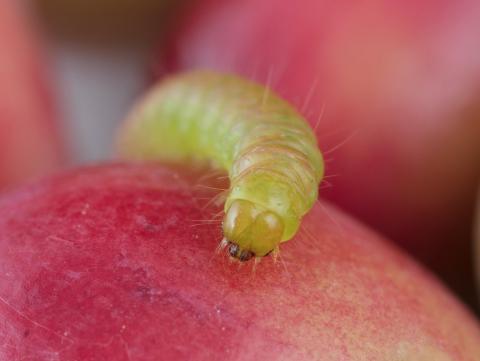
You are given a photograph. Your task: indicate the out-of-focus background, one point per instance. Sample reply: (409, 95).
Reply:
(100, 53)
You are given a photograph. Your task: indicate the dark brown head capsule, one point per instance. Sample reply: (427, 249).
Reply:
(242, 255)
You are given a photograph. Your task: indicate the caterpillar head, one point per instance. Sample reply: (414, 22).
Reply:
(251, 230)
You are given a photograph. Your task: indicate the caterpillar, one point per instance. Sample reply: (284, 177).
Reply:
(268, 150)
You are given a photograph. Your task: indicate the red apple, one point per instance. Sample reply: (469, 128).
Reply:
(29, 144)
(389, 87)
(106, 263)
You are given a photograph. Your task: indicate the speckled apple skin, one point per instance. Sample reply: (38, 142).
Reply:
(29, 141)
(105, 263)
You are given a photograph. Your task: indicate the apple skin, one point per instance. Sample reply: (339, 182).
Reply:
(106, 263)
(29, 142)
(401, 145)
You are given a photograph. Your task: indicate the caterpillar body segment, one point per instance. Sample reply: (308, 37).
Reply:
(267, 148)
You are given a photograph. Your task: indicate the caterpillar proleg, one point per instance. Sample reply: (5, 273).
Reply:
(268, 150)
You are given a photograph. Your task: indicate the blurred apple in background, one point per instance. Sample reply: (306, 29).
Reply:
(390, 87)
(29, 143)
(110, 263)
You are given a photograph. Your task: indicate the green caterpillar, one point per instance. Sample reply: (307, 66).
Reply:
(267, 148)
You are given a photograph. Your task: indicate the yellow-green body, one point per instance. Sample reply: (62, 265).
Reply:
(267, 148)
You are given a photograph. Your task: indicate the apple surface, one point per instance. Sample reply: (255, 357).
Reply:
(390, 88)
(118, 262)
(29, 142)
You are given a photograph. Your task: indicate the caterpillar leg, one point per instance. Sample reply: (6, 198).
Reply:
(222, 245)
(275, 254)
(256, 263)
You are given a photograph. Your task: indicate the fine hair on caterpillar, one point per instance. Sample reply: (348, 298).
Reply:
(268, 150)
